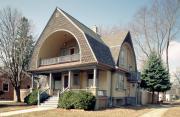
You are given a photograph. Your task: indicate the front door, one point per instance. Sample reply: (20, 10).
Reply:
(65, 81)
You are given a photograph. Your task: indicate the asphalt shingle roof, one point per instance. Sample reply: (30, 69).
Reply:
(100, 49)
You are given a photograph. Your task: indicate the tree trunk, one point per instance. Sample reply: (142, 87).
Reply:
(159, 101)
(152, 97)
(18, 95)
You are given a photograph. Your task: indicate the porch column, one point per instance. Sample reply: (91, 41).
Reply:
(32, 82)
(50, 79)
(69, 79)
(95, 78)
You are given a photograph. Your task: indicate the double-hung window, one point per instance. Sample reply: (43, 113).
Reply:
(120, 81)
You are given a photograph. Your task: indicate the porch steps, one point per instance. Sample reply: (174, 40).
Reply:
(51, 102)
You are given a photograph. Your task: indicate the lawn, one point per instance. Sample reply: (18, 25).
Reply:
(116, 112)
(172, 112)
(11, 106)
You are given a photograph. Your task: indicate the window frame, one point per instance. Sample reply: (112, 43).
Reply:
(120, 82)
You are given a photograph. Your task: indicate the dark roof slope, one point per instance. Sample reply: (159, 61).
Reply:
(101, 51)
(114, 43)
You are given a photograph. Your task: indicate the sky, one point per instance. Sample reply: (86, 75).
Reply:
(90, 12)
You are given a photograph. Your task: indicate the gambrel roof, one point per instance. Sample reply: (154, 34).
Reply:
(101, 51)
(93, 48)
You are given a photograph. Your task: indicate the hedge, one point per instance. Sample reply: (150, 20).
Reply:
(31, 99)
(82, 100)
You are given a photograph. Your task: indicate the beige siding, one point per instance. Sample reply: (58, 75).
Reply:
(102, 80)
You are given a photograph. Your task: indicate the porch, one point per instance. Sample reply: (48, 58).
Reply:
(94, 80)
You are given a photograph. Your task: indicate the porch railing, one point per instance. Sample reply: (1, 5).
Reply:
(39, 95)
(60, 59)
(133, 77)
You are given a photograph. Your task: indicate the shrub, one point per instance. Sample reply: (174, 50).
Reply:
(32, 97)
(81, 100)
(85, 100)
(67, 100)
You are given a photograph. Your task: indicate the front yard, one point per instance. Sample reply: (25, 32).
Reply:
(115, 112)
(12, 106)
(172, 112)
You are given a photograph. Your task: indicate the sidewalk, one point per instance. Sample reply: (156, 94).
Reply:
(24, 111)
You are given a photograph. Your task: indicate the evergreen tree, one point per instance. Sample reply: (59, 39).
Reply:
(155, 77)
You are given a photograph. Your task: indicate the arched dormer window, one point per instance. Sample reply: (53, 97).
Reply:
(126, 57)
(122, 57)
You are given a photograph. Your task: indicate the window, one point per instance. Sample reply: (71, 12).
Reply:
(63, 52)
(5, 87)
(120, 82)
(76, 79)
(122, 57)
(72, 51)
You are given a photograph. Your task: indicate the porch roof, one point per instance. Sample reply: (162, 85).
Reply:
(69, 66)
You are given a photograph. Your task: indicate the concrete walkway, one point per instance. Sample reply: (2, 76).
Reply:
(24, 111)
(155, 113)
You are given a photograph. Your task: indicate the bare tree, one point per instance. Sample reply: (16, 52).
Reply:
(16, 45)
(156, 26)
(177, 76)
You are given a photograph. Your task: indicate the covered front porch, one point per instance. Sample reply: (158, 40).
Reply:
(90, 79)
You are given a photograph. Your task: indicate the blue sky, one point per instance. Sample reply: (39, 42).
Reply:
(89, 12)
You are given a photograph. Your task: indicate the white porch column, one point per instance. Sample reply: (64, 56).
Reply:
(69, 79)
(32, 82)
(50, 82)
(95, 78)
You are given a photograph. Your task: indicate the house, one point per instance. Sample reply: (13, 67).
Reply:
(7, 91)
(70, 56)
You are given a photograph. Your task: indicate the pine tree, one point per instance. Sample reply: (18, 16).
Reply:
(155, 77)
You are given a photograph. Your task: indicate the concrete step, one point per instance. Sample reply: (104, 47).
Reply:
(51, 102)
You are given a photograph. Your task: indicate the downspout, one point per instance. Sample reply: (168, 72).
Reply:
(111, 104)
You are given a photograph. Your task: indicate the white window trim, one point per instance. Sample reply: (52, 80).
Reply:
(3, 86)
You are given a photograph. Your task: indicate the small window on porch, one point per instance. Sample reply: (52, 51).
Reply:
(72, 51)
(76, 79)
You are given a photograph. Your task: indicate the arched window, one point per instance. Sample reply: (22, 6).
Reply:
(126, 57)
(123, 57)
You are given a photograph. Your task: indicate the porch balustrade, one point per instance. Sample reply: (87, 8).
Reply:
(60, 59)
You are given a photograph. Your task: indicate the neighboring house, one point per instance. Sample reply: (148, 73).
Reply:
(69, 55)
(7, 91)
